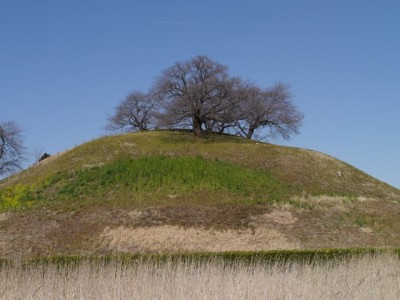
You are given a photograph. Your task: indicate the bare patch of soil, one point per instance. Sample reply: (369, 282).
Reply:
(277, 216)
(366, 230)
(223, 217)
(4, 216)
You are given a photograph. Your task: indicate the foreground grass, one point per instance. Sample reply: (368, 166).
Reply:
(362, 277)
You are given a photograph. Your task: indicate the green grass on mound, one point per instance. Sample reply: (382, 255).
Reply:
(153, 180)
(175, 167)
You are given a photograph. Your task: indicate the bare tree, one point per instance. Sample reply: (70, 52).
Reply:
(195, 92)
(201, 95)
(135, 112)
(225, 118)
(37, 154)
(272, 109)
(12, 149)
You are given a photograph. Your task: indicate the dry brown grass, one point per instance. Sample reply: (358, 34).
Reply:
(361, 278)
(333, 222)
(169, 238)
(4, 216)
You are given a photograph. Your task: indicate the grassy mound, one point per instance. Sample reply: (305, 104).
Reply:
(170, 191)
(154, 167)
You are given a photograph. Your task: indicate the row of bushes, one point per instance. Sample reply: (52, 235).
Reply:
(228, 258)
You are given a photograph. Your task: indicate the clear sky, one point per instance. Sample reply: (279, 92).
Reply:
(65, 64)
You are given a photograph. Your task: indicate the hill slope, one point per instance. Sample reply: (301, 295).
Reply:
(170, 191)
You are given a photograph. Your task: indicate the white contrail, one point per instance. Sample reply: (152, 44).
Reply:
(177, 23)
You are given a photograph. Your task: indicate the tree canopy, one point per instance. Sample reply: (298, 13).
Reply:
(194, 92)
(201, 95)
(135, 112)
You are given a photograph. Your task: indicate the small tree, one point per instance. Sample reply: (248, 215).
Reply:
(12, 149)
(272, 109)
(37, 154)
(135, 112)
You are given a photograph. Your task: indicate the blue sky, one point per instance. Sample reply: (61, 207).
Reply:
(65, 64)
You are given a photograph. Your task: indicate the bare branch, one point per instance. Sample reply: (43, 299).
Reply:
(37, 154)
(272, 109)
(12, 150)
(197, 90)
(135, 112)
(199, 93)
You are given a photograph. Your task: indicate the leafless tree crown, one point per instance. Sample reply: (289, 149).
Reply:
(194, 92)
(11, 148)
(135, 112)
(270, 108)
(201, 95)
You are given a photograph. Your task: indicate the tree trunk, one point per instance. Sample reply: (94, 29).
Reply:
(250, 132)
(196, 126)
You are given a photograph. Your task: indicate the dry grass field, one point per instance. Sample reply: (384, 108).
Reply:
(365, 277)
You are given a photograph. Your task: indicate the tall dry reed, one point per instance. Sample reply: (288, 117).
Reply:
(361, 278)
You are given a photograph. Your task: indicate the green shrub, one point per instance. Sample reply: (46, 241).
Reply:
(14, 197)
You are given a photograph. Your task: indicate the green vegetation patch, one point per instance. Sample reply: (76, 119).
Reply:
(160, 177)
(228, 258)
(152, 180)
(15, 197)
(309, 171)
(4, 263)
